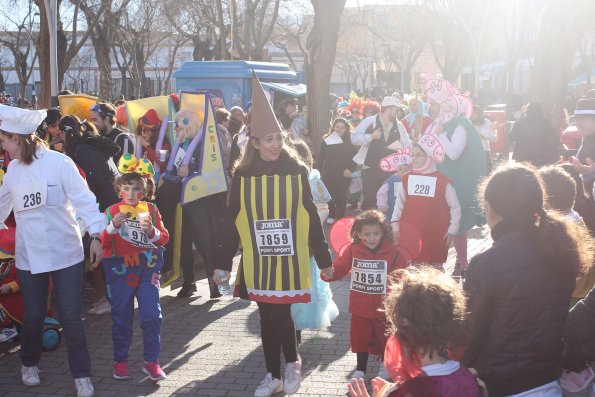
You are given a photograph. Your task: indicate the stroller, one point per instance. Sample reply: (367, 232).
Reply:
(11, 302)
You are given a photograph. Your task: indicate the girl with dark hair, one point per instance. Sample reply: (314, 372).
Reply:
(520, 288)
(335, 162)
(370, 258)
(270, 209)
(93, 154)
(426, 311)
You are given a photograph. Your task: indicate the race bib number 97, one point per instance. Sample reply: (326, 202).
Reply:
(274, 237)
(29, 196)
(369, 276)
(421, 185)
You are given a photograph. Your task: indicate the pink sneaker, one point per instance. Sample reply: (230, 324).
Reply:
(121, 371)
(154, 371)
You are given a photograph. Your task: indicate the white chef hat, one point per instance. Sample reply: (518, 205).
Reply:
(20, 121)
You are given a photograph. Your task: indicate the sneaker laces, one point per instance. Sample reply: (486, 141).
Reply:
(84, 384)
(30, 371)
(292, 371)
(8, 331)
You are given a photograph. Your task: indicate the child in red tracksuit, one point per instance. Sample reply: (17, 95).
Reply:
(132, 258)
(370, 258)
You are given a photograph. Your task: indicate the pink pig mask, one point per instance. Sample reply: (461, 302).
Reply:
(392, 162)
(452, 102)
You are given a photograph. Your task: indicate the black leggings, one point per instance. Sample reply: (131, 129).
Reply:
(277, 332)
(362, 361)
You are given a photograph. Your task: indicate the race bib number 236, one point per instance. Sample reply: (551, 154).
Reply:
(28, 196)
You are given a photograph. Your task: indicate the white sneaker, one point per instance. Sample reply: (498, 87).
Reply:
(30, 375)
(84, 387)
(7, 334)
(358, 375)
(268, 386)
(103, 307)
(330, 221)
(292, 379)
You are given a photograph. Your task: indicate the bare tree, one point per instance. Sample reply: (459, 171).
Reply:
(103, 34)
(141, 32)
(18, 37)
(321, 48)
(564, 24)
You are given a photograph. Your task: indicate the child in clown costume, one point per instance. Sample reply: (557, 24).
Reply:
(132, 259)
(427, 202)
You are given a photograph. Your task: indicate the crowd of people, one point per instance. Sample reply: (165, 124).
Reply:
(84, 194)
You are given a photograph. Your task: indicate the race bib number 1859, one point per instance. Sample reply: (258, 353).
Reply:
(274, 237)
(28, 196)
(369, 276)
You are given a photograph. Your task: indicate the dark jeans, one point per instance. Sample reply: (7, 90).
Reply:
(68, 294)
(372, 179)
(201, 225)
(277, 332)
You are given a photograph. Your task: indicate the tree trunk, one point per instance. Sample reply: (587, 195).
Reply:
(44, 96)
(321, 48)
(564, 24)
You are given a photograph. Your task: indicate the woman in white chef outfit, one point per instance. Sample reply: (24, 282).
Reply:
(44, 189)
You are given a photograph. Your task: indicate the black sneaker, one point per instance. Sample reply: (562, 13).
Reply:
(456, 273)
(187, 290)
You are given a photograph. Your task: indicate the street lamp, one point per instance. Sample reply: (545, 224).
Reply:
(51, 8)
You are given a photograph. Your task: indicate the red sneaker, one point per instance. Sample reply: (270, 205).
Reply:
(121, 371)
(154, 371)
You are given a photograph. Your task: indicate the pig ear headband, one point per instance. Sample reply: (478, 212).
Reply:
(392, 162)
(432, 146)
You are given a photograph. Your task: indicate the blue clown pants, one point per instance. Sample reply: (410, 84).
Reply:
(126, 278)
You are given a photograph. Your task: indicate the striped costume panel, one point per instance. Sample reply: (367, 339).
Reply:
(274, 226)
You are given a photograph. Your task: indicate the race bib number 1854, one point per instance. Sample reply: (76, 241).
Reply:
(369, 276)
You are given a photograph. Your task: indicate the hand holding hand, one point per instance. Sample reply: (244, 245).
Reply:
(328, 273)
(5, 289)
(347, 173)
(119, 219)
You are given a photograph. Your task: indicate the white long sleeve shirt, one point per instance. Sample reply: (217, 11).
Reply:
(359, 137)
(451, 200)
(45, 195)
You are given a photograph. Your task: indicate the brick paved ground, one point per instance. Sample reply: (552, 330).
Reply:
(209, 348)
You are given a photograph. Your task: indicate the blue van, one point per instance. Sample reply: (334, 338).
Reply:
(230, 82)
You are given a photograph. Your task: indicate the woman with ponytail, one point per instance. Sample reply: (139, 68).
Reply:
(520, 288)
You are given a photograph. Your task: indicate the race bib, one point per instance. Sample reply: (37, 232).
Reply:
(421, 185)
(369, 276)
(179, 157)
(136, 236)
(274, 237)
(28, 196)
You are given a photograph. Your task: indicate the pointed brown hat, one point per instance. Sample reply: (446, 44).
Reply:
(263, 121)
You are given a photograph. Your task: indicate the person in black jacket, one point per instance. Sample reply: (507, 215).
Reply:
(270, 209)
(520, 288)
(335, 163)
(93, 153)
(536, 140)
